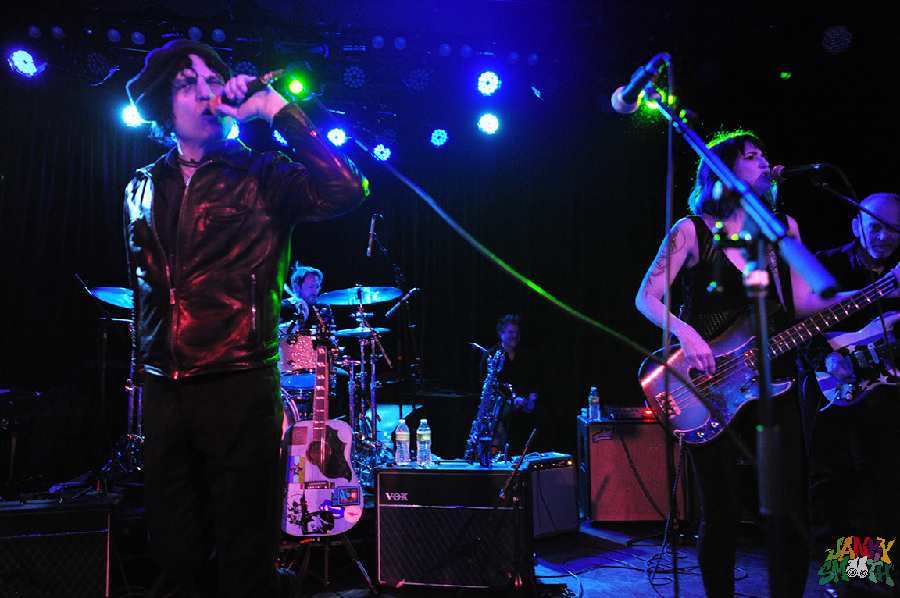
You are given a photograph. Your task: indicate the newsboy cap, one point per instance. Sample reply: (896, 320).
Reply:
(160, 68)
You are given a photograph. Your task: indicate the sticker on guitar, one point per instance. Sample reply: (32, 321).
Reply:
(872, 359)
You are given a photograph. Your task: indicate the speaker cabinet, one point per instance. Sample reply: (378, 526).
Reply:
(54, 550)
(447, 526)
(622, 472)
(550, 494)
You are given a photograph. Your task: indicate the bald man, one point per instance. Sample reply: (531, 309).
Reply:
(852, 490)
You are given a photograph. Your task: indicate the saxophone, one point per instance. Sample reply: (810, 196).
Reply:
(478, 447)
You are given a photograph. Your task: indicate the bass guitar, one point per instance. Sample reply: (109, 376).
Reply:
(873, 360)
(323, 496)
(699, 419)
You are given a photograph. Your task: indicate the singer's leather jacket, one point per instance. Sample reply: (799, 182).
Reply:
(213, 305)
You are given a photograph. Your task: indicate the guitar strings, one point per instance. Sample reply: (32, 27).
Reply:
(726, 369)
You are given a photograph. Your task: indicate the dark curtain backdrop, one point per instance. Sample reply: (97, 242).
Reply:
(568, 194)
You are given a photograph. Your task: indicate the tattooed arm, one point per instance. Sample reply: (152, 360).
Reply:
(681, 245)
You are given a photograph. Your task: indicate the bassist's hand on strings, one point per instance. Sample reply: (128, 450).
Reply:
(696, 350)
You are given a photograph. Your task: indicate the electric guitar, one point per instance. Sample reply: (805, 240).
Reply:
(700, 419)
(323, 496)
(873, 360)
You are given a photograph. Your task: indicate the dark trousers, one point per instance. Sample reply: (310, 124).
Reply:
(212, 480)
(724, 476)
(853, 457)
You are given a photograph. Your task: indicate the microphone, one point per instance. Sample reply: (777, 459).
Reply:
(399, 303)
(625, 100)
(371, 234)
(781, 173)
(253, 87)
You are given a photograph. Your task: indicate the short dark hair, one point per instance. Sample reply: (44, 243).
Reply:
(505, 321)
(727, 145)
(299, 273)
(150, 90)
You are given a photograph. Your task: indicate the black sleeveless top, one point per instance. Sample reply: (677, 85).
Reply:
(710, 314)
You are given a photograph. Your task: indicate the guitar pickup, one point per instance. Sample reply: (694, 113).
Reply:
(673, 409)
(317, 485)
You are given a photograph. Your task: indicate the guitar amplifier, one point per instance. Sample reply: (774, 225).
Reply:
(622, 472)
(447, 526)
(52, 549)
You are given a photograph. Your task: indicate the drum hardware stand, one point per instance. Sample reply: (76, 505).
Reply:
(127, 454)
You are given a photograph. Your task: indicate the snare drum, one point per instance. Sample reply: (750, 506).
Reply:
(295, 350)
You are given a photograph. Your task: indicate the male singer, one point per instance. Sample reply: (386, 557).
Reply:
(208, 228)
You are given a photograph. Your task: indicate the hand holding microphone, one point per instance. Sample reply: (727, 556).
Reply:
(235, 99)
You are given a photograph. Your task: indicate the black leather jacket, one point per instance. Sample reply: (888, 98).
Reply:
(213, 304)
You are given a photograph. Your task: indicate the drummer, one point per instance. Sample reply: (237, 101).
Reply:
(306, 282)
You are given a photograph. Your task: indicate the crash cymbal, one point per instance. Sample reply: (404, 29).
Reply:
(114, 296)
(360, 332)
(359, 295)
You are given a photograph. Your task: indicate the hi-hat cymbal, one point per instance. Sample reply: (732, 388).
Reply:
(114, 296)
(360, 332)
(359, 295)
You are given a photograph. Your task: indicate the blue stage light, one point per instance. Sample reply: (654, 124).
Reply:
(279, 138)
(23, 63)
(438, 137)
(382, 152)
(131, 116)
(488, 123)
(337, 137)
(488, 83)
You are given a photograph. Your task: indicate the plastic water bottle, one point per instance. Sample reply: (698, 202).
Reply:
(401, 444)
(424, 457)
(594, 413)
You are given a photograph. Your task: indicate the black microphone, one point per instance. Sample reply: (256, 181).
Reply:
(371, 235)
(253, 87)
(781, 173)
(625, 100)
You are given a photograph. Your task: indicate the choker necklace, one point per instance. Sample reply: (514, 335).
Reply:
(189, 163)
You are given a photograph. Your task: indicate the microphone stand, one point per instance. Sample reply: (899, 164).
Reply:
(767, 229)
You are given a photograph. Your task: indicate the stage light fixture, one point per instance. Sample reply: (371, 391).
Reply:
(417, 80)
(235, 131)
(22, 63)
(114, 36)
(337, 136)
(138, 38)
(532, 59)
(400, 42)
(246, 68)
(512, 57)
(488, 83)
(836, 39)
(465, 51)
(488, 123)
(131, 116)
(218, 35)
(295, 86)
(445, 50)
(382, 152)
(377, 42)
(279, 138)
(438, 137)
(354, 77)
(195, 34)
(58, 33)
(97, 64)
(34, 32)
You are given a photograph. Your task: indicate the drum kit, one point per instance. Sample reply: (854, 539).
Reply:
(297, 365)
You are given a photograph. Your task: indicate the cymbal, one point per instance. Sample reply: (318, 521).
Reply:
(359, 295)
(360, 332)
(114, 296)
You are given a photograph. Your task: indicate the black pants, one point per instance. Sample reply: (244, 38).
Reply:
(212, 480)
(853, 457)
(724, 477)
